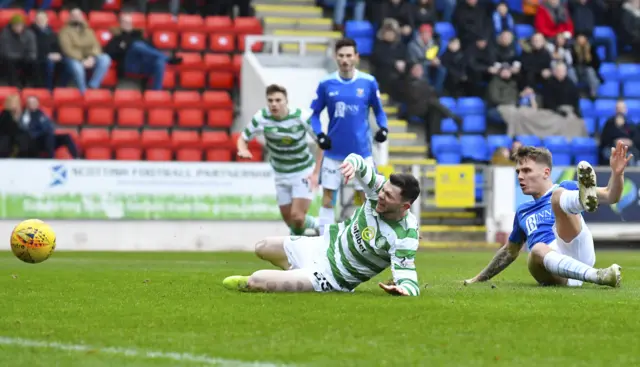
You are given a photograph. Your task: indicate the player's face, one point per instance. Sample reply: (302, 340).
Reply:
(390, 200)
(277, 103)
(532, 177)
(346, 58)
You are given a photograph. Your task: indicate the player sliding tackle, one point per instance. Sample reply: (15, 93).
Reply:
(296, 175)
(552, 226)
(381, 233)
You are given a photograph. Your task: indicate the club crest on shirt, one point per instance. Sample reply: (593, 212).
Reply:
(360, 92)
(368, 233)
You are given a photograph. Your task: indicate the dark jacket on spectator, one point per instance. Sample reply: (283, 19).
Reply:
(456, 64)
(584, 20)
(402, 12)
(558, 93)
(14, 141)
(534, 62)
(46, 41)
(506, 54)
(424, 14)
(383, 59)
(502, 91)
(119, 45)
(471, 22)
(480, 59)
(611, 132)
(15, 46)
(594, 61)
(630, 23)
(37, 123)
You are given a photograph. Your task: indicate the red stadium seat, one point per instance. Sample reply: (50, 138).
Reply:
(222, 118)
(63, 16)
(169, 81)
(155, 139)
(100, 116)
(130, 117)
(157, 98)
(98, 153)
(190, 61)
(6, 14)
(129, 154)
(127, 98)
(190, 23)
(247, 25)
(190, 117)
(70, 116)
(218, 62)
(67, 96)
(165, 40)
(98, 97)
(221, 80)
(56, 4)
(219, 155)
(193, 79)
(43, 95)
(216, 99)
(103, 36)
(253, 144)
(222, 42)
(63, 153)
(72, 132)
(159, 22)
(111, 78)
(159, 154)
(94, 137)
(47, 111)
(139, 20)
(193, 41)
(237, 64)
(189, 155)
(218, 24)
(215, 140)
(187, 99)
(102, 19)
(125, 138)
(185, 139)
(257, 47)
(161, 116)
(113, 5)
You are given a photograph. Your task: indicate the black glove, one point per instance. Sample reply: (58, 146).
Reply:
(324, 142)
(381, 135)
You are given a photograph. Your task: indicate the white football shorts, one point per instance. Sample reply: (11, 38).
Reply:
(330, 176)
(293, 186)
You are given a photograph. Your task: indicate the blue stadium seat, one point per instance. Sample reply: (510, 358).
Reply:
(475, 124)
(479, 184)
(586, 107)
(446, 149)
(497, 141)
(609, 71)
(604, 32)
(633, 107)
(590, 124)
(585, 149)
(609, 90)
(631, 89)
(530, 140)
(523, 31)
(359, 28)
(445, 30)
(474, 147)
(470, 106)
(602, 121)
(449, 102)
(448, 126)
(365, 45)
(604, 107)
(629, 72)
(560, 149)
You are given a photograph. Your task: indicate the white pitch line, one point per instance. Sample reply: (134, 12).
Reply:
(133, 353)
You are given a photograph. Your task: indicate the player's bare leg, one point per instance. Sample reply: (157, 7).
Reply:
(285, 213)
(271, 249)
(299, 219)
(327, 212)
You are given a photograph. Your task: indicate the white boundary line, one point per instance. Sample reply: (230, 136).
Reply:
(134, 353)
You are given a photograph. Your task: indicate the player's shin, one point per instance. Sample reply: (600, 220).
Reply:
(568, 267)
(311, 222)
(327, 216)
(280, 281)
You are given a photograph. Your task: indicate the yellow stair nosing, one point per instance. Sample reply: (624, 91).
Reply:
(438, 228)
(407, 149)
(299, 9)
(296, 47)
(396, 123)
(411, 161)
(285, 20)
(391, 109)
(306, 33)
(403, 136)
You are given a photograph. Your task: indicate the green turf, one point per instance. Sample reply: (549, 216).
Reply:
(174, 302)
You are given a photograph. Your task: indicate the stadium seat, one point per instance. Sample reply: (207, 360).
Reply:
(590, 124)
(139, 20)
(498, 141)
(70, 116)
(216, 99)
(631, 89)
(7, 91)
(43, 95)
(160, 116)
(222, 118)
(449, 102)
(169, 80)
(474, 147)
(193, 41)
(215, 139)
(191, 117)
(445, 30)
(63, 16)
(629, 72)
(103, 36)
(127, 98)
(157, 98)
(609, 90)
(560, 148)
(158, 154)
(155, 139)
(191, 23)
(604, 107)
(121, 138)
(129, 154)
(102, 20)
(219, 62)
(189, 155)
(221, 80)
(523, 31)
(187, 99)
(165, 40)
(6, 14)
(190, 61)
(185, 139)
(161, 22)
(247, 25)
(222, 43)
(236, 64)
(112, 5)
(586, 107)
(446, 149)
(529, 140)
(111, 78)
(130, 117)
(448, 126)
(97, 153)
(585, 149)
(241, 38)
(218, 155)
(218, 24)
(98, 98)
(470, 106)
(192, 79)
(67, 96)
(609, 71)
(94, 137)
(474, 124)
(100, 116)
(358, 29)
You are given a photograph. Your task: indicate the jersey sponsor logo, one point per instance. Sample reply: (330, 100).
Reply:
(368, 233)
(342, 109)
(407, 263)
(358, 237)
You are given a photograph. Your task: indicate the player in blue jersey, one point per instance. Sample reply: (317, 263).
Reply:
(347, 94)
(560, 245)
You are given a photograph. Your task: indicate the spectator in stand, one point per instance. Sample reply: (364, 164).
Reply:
(553, 18)
(423, 102)
(41, 130)
(425, 13)
(136, 56)
(28, 4)
(389, 57)
(455, 62)
(631, 24)
(482, 64)
(561, 54)
(424, 50)
(536, 61)
(471, 20)
(82, 51)
(14, 142)
(18, 54)
(583, 13)
(587, 64)
(49, 55)
(506, 52)
(448, 7)
(502, 19)
(619, 127)
(340, 8)
(502, 90)
(400, 11)
(560, 94)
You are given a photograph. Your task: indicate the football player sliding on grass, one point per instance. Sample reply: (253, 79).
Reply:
(381, 233)
(560, 245)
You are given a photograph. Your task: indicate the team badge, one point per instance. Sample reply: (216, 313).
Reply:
(360, 92)
(368, 233)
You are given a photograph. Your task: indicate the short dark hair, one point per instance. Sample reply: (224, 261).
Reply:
(346, 42)
(536, 154)
(275, 88)
(408, 184)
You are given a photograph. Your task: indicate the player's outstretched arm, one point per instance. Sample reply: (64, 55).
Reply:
(403, 267)
(381, 117)
(501, 260)
(317, 105)
(355, 167)
(618, 161)
(250, 131)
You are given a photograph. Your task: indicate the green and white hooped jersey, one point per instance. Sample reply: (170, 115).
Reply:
(285, 138)
(365, 244)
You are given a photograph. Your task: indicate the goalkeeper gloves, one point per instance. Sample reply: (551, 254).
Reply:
(381, 135)
(324, 142)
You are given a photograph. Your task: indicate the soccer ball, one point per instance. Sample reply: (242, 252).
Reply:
(33, 241)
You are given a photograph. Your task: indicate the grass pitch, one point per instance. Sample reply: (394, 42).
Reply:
(170, 309)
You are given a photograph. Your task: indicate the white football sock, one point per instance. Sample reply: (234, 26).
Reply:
(327, 216)
(567, 267)
(570, 202)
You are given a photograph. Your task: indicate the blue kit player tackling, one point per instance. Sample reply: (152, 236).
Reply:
(560, 245)
(347, 94)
